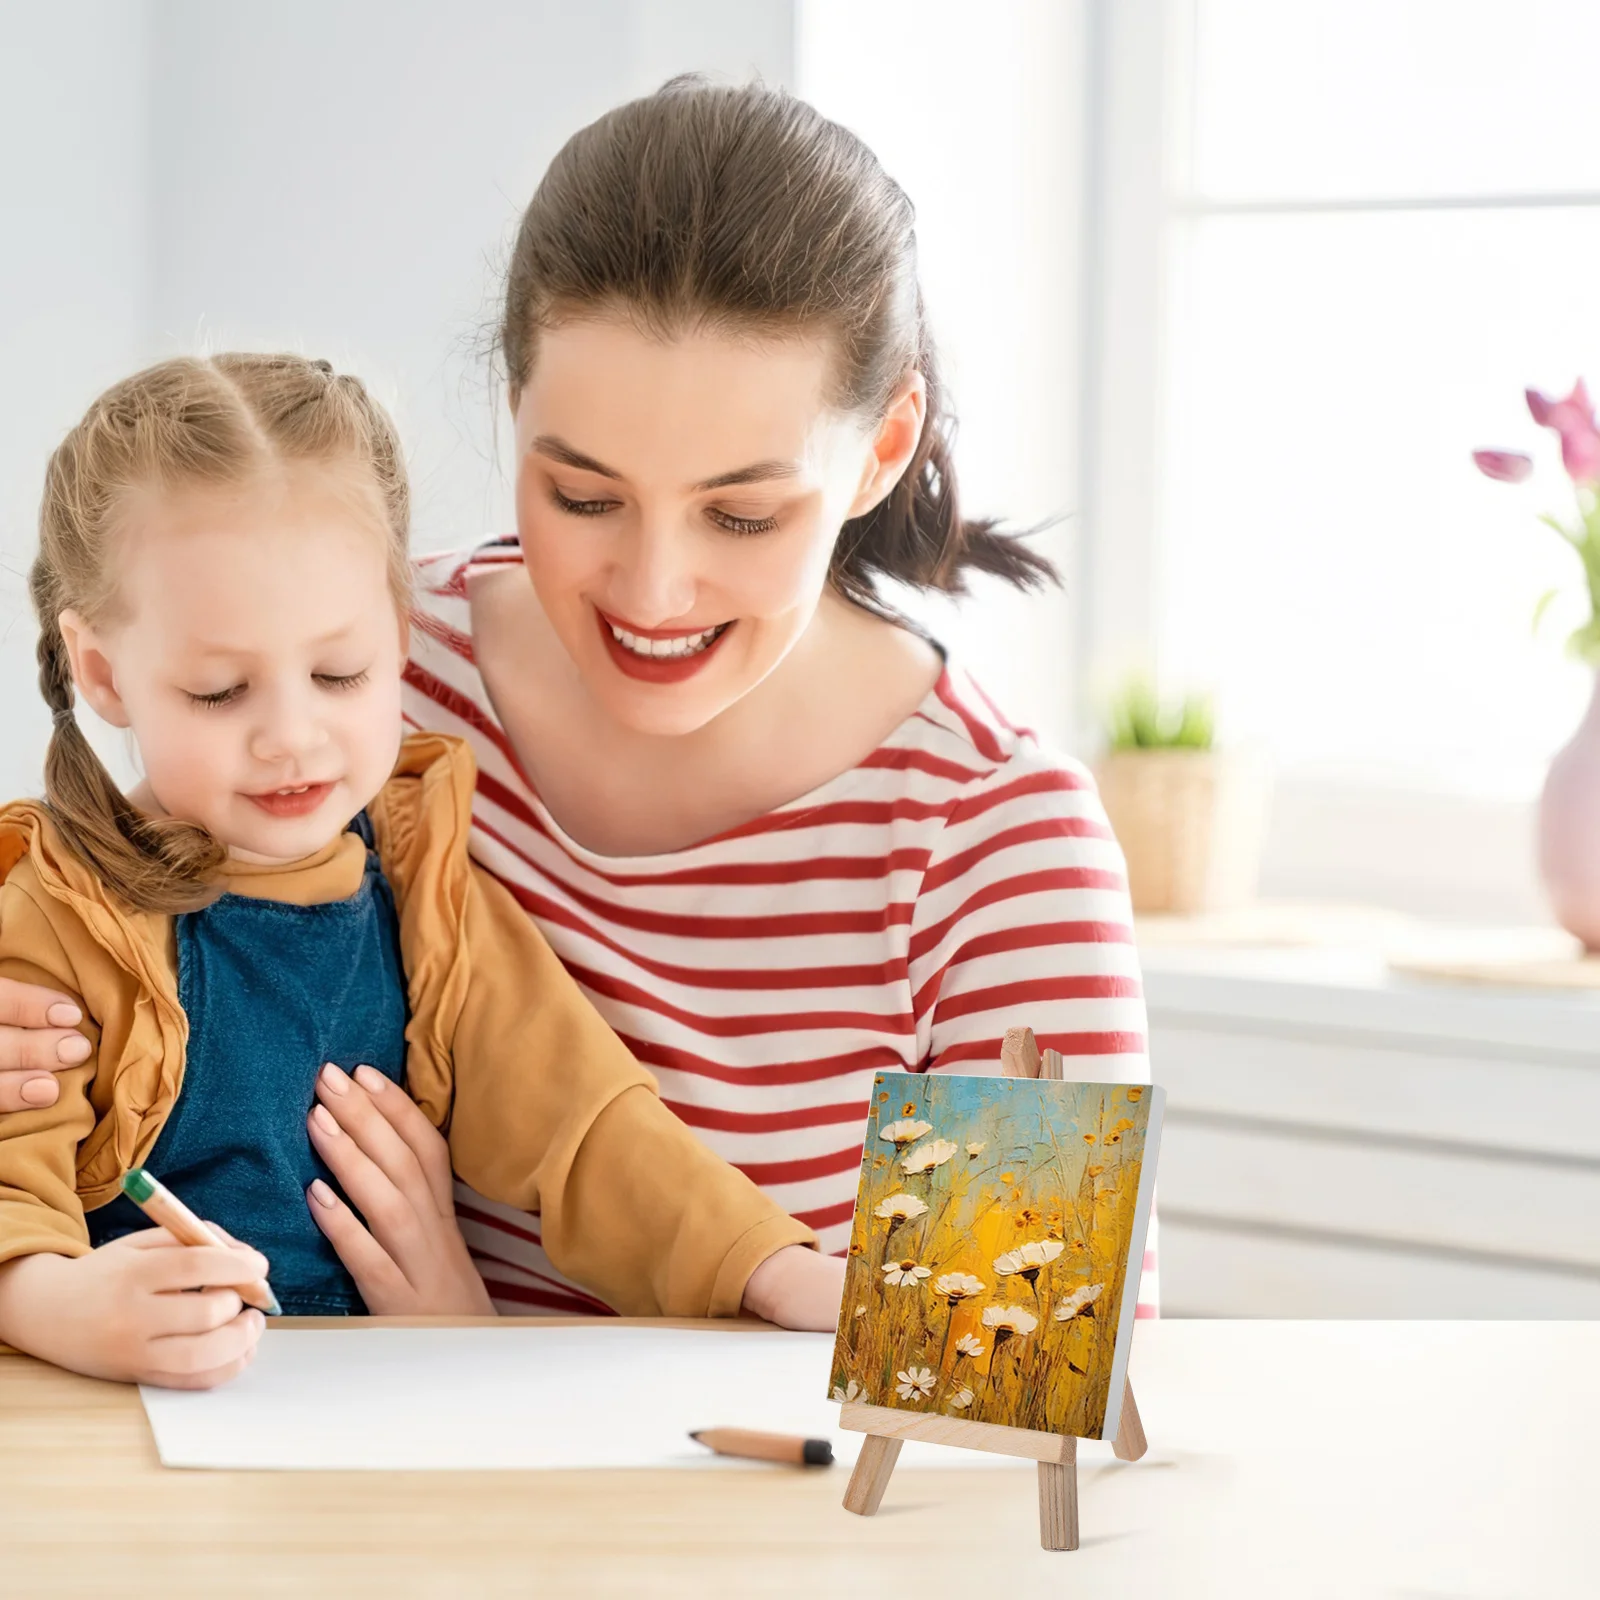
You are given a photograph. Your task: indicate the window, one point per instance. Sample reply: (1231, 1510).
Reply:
(1336, 238)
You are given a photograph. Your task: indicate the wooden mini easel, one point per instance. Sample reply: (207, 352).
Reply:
(1056, 1454)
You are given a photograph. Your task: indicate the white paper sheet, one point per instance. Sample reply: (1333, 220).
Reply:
(473, 1398)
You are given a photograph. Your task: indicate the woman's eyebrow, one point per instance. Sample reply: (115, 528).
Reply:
(557, 449)
(547, 444)
(756, 472)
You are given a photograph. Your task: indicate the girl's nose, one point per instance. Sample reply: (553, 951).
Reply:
(653, 581)
(289, 729)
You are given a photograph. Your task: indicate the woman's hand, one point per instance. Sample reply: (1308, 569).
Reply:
(409, 1259)
(36, 1042)
(142, 1309)
(797, 1288)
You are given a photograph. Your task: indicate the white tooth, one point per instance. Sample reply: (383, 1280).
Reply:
(658, 649)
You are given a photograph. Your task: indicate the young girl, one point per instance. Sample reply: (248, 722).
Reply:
(223, 570)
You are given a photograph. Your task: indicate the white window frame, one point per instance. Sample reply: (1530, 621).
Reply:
(1334, 837)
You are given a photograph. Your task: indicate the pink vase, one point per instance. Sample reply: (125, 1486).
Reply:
(1569, 829)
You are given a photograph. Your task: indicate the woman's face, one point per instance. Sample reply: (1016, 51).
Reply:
(678, 502)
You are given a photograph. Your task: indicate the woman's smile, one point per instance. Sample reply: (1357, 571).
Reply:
(660, 655)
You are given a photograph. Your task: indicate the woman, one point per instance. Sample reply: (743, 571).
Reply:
(780, 841)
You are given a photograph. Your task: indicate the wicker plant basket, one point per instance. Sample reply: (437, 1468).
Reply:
(1190, 823)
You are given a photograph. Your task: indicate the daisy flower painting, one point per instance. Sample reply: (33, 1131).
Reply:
(994, 1257)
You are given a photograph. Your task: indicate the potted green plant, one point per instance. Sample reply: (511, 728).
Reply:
(1190, 818)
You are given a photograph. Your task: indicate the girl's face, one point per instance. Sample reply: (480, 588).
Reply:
(254, 651)
(678, 502)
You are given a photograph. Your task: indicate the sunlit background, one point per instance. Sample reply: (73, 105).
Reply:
(1227, 290)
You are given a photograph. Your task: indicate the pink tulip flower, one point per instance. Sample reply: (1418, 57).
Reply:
(1504, 466)
(1573, 419)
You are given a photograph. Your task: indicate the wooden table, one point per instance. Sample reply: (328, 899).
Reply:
(1290, 1460)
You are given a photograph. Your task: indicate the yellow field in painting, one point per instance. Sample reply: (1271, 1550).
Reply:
(989, 1249)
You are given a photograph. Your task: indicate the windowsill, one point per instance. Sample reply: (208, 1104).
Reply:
(1346, 986)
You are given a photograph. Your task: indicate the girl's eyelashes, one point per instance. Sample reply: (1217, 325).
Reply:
(221, 697)
(726, 520)
(325, 680)
(348, 680)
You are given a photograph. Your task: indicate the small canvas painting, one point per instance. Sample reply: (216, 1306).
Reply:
(995, 1254)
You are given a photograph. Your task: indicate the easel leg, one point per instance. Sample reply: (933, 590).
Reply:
(1130, 1441)
(871, 1477)
(1058, 1502)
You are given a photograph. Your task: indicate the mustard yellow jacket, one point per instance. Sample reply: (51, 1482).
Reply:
(544, 1107)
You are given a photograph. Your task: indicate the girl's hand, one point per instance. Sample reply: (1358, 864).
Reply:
(37, 1040)
(797, 1288)
(126, 1311)
(409, 1259)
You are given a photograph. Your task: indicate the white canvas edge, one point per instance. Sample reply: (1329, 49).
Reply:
(1126, 1313)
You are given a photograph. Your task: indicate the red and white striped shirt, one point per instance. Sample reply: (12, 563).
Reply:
(958, 882)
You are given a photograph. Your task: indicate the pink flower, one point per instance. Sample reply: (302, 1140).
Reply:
(1573, 419)
(1504, 466)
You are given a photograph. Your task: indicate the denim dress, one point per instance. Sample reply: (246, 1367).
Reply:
(272, 991)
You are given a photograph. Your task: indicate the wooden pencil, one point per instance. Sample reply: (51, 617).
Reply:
(785, 1447)
(165, 1209)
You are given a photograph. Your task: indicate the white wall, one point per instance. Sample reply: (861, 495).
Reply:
(979, 113)
(344, 176)
(335, 176)
(74, 281)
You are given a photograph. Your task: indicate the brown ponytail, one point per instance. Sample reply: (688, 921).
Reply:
(745, 208)
(184, 423)
(916, 533)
